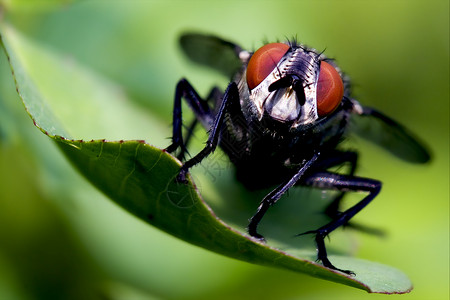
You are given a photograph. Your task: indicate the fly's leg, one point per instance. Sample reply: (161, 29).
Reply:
(231, 96)
(213, 97)
(273, 197)
(200, 107)
(333, 209)
(339, 158)
(328, 180)
(184, 149)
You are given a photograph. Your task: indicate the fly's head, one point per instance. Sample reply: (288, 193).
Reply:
(291, 84)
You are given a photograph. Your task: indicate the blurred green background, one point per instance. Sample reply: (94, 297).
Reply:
(61, 238)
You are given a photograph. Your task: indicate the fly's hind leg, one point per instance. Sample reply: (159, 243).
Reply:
(333, 210)
(333, 181)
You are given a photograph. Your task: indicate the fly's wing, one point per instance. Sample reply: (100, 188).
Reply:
(384, 131)
(212, 51)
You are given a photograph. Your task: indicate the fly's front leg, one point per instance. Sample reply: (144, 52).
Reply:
(273, 197)
(199, 106)
(231, 96)
(190, 132)
(214, 96)
(327, 180)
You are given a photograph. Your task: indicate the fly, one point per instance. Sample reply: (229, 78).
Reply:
(280, 121)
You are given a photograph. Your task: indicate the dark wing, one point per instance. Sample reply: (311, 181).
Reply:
(384, 131)
(212, 51)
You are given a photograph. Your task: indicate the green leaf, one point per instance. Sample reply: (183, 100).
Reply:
(68, 102)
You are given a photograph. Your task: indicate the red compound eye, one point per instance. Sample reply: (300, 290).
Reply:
(263, 61)
(330, 89)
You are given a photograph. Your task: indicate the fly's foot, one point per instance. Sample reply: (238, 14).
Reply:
(322, 255)
(256, 235)
(326, 262)
(181, 177)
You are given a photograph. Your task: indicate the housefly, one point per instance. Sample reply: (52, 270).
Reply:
(280, 122)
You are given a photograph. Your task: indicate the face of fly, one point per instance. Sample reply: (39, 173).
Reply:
(291, 84)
